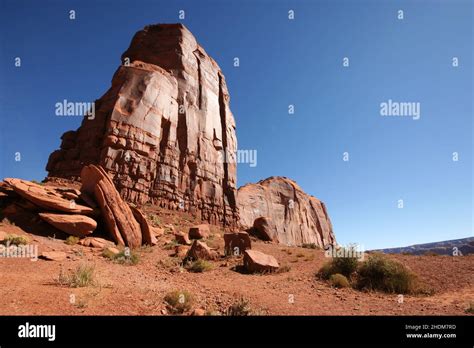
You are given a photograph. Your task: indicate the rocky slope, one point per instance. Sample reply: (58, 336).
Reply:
(292, 217)
(161, 129)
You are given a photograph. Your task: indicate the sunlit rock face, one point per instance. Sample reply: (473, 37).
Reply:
(161, 129)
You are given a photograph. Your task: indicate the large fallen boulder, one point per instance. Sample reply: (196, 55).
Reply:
(200, 250)
(298, 217)
(46, 197)
(118, 217)
(236, 243)
(148, 235)
(258, 262)
(73, 224)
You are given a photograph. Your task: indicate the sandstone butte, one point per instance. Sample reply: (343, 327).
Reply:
(162, 133)
(161, 129)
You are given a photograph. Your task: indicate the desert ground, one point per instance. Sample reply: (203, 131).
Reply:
(32, 288)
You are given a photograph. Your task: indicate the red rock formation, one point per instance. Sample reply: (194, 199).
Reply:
(161, 129)
(118, 216)
(296, 217)
(73, 224)
(257, 262)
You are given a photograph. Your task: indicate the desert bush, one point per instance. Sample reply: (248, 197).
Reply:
(239, 308)
(381, 273)
(470, 308)
(199, 266)
(179, 301)
(171, 245)
(154, 219)
(83, 276)
(342, 265)
(72, 240)
(13, 239)
(339, 281)
(124, 257)
(173, 264)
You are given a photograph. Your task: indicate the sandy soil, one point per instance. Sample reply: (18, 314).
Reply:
(29, 287)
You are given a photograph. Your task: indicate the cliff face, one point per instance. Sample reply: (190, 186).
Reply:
(161, 129)
(297, 218)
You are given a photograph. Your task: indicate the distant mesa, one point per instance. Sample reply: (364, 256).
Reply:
(455, 247)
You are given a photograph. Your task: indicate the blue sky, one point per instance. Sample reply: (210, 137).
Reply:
(282, 62)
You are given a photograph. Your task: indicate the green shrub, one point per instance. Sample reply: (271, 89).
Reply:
(179, 301)
(199, 266)
(72, 240)
(381, 273)
(339, 281)
(124, 257)
(13, 239)
(81, 277)
(239, 308)
(342, 265)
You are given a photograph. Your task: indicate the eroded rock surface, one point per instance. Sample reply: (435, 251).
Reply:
(296, 217)
(162, 129)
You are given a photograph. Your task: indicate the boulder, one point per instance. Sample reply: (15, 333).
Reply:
(46, 197)
(164, 129)
(298, 218)
(118, 217)
(182, 238)
(264, 228)
(95, 242)
(199, 231)
(158, 231)
(181, 251)
(148, 235)
(200, 250)
(112, 251)
(236, 243)
(73, 224)
(258, 262)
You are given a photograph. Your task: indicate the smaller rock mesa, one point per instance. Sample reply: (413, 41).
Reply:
(291, 216)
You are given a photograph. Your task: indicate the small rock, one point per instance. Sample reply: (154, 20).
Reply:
(181, 238)
(112, 251)
(200, 250)
(95, 242)
(198, 312)
(181, 251)
(53, 255)
(199, 231)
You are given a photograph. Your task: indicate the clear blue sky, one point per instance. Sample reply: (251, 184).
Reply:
(282, 62)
